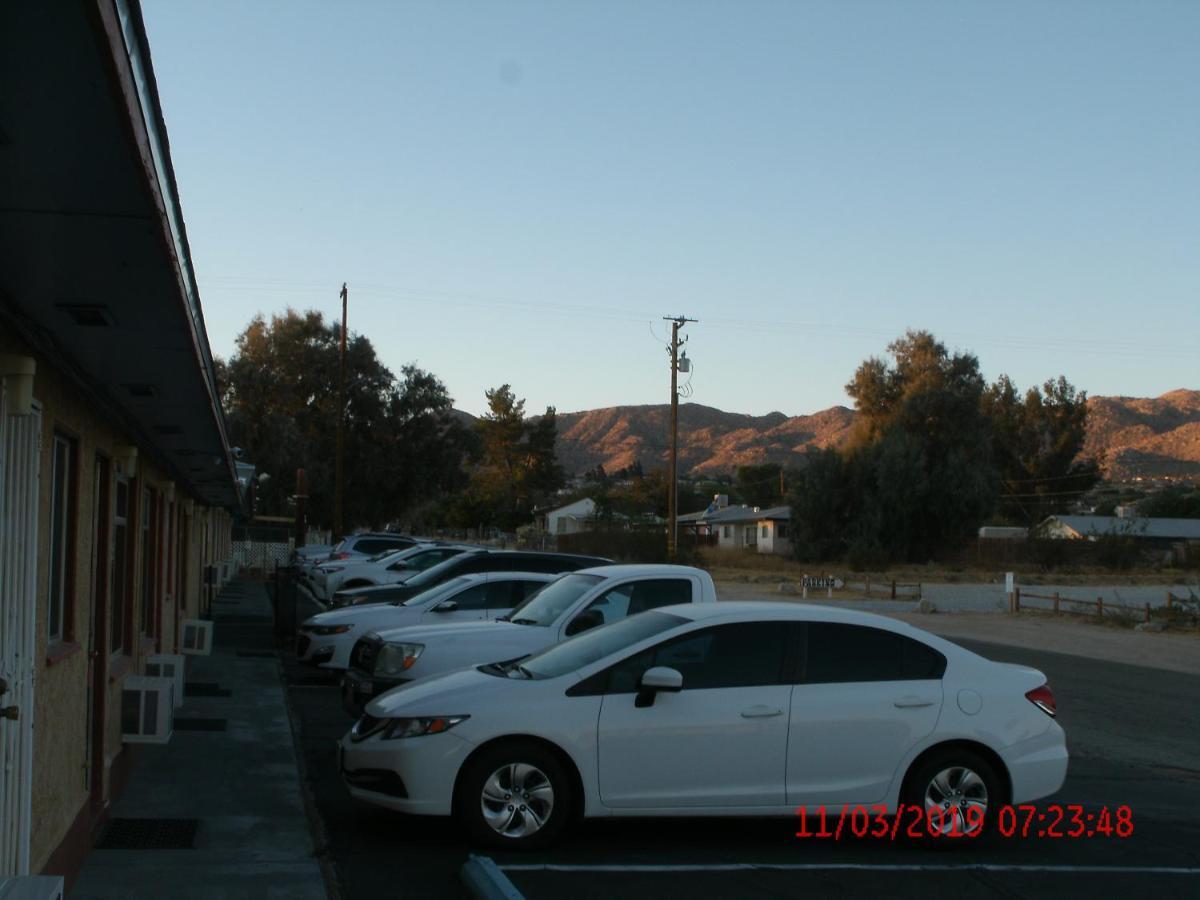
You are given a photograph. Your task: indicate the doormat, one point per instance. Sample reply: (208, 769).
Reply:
(205, 689)
(200, 724)
(149, 834)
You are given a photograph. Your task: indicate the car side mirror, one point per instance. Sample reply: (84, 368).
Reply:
(446, 606)
(659, 678)
(589, 618)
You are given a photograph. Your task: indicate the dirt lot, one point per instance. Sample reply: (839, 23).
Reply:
(1076, 636)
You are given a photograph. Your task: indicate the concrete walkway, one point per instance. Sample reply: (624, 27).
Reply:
(242, 783)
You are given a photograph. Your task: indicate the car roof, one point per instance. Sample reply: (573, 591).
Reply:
(507, 576)
(628, 570)
(784, 611)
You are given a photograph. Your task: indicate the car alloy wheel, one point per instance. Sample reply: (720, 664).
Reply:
(515, 795)
(517, 800)
(958, 791)
(956, 802)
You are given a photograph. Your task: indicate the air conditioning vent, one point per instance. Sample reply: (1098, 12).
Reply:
(89, 315)
(147, 710)
(169, 665)
(197, 637)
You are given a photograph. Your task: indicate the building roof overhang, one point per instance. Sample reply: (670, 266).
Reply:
(95, 268)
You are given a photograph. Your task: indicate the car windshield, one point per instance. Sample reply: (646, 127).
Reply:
(577, 652)
(379, 557)
(551, 601)
(435, 593)
(432, 575)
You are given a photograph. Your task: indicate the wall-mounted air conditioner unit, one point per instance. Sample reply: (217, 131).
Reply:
(197, 637)
(147, 710)
(168, 665)
(31, 887)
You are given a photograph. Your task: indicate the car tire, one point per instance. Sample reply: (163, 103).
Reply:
(945, 786)
(517, 771)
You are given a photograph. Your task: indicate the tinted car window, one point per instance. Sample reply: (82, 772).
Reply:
(436, 593)
(472, 598)
(846, 653)
(745, 654)
(639, 596)
(447, 568)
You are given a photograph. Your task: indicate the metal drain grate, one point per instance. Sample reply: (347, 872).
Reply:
(205, 689)
(201, 724)
(149, 834)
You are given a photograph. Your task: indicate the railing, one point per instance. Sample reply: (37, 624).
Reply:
(1058, 601)
(895, 590)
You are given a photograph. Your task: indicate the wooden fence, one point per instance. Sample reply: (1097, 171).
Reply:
(895, 590)
(1019, 598)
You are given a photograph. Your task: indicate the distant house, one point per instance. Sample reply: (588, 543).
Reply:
(743, 527)
(572, 518)
(1088, 528)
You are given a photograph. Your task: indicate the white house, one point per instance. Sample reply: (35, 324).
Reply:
(572, 518)
(744, 527)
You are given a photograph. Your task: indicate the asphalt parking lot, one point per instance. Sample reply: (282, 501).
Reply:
(1134, 735)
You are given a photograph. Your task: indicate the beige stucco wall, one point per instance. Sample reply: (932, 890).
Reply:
(61, 682)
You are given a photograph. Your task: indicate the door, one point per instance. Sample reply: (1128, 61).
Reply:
(866, 697)
(720, 742)
(20, 453)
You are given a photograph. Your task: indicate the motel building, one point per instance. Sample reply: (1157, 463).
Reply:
(117, 483)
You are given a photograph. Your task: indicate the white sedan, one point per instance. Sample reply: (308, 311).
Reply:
(327, 638)
(740, 709)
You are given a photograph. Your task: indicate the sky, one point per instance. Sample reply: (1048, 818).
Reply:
(519, 192)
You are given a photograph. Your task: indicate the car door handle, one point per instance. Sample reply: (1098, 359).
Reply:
(761, 712)
(912, 703)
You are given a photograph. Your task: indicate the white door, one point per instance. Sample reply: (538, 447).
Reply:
(868, 696)
(20, 444)
(719, 742)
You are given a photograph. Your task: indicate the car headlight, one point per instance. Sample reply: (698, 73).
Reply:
(407, 728)
(325, 630)
(396, 658)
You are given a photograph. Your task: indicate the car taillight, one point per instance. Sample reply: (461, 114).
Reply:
(1043, 699)
(343, 555)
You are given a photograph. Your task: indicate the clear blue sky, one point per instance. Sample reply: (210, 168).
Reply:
(519, 191)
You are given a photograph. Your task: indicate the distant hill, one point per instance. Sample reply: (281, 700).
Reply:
(1138, 437)
(1146, 437)
(710, 440)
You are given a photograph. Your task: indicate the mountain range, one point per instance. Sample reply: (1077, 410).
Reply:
(1137, 437)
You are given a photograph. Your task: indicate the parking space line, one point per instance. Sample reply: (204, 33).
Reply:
(866, 867)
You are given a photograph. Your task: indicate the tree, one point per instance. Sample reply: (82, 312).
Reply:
(1181, 501)
(758, 485)
(518, 467)
(922, 457)
(279, 393)
(1038, 437)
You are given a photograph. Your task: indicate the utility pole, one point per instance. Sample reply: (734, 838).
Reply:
(339, 464)
(673, 477)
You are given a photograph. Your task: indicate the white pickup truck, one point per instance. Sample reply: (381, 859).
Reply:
(567, 606)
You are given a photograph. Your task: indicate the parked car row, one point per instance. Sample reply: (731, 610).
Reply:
(614, 690)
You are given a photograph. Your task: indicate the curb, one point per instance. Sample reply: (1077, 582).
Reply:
(485, 881)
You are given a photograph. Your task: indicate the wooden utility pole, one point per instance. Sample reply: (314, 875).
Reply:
(338, 472)
(301, 523)
(673, 476)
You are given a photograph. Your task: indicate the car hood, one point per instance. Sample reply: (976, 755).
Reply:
(493, 630)
(352, 615)
(463, 689)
